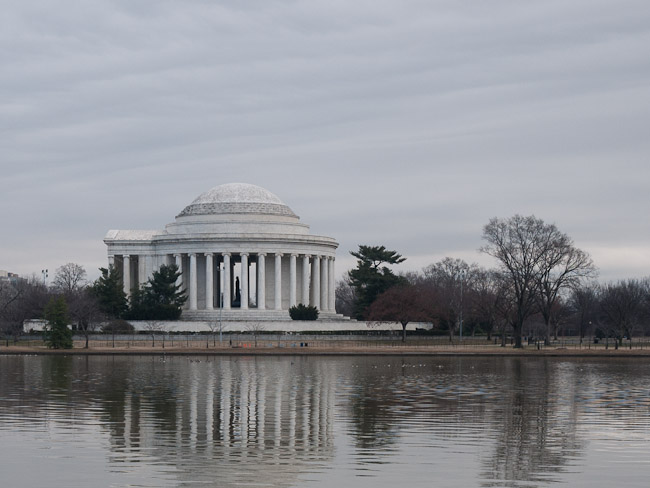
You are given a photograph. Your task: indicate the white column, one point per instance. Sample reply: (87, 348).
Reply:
(261, 282)
(244, 281)
(194, 282)
(292, 280)
(305, 279)
(148, 266)
(126, 274)
(142, 270)
(315, 281)
(324, 299)
(332, 287)
(209, 414)
(209, 281)
(226, 281)
(111, 261)
(278, 281)
(179, 265)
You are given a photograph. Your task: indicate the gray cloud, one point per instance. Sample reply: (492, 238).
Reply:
(404, 123)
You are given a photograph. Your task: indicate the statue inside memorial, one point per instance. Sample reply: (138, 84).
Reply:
(237, 301)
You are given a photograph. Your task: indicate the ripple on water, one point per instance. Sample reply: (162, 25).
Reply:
(323, 421)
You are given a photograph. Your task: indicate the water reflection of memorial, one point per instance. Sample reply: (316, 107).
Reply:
(213, 420)
(227, 419)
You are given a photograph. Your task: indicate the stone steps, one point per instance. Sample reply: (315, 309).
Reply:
(251, 315)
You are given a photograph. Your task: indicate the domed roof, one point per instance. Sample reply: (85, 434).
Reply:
(237, 193)
(236, 198)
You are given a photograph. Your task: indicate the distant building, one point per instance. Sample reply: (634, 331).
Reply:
(36, 325)
(12, 278)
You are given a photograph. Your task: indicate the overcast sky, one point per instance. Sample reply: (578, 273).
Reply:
(403, 123)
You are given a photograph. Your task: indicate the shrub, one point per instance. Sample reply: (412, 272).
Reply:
(118, 326)
(303, 312)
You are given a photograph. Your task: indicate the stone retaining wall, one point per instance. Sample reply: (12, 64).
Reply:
(274, 326)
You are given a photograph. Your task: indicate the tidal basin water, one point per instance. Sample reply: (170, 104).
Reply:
(78, 421)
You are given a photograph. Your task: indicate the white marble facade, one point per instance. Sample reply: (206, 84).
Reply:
(237, 245)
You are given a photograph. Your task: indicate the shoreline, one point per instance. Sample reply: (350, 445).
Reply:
(321, 351)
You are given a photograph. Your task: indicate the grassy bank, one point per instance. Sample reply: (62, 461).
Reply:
(248, 346)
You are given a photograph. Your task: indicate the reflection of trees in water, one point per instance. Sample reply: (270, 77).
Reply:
(28, 385)
(527, 410)
(535, 428)
(525, 407)
(370, 414)
(616, 391)
(392, 391)
(59, 373)
(237, 419)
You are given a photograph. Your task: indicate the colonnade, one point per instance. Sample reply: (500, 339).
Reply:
(282, 280)
(244, 407)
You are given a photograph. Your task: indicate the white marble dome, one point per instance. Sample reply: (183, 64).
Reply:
(237, 198)
(237, 193)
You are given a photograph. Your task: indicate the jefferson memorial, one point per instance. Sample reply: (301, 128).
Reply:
(244, 256)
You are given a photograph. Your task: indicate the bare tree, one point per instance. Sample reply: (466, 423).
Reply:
(559, 317)
(411, 277)
(215, 325)
(526, 247)
(583, 303)
(645, 309)
(255, 328)
(505, 306)
(562, 267)
(452, 280)
(621, 307)
(83, 305)
(488, 293)
(20, 301)
(9, 293)
(10, 298)
(85, 311)
(69, 278)
(345, 297)
(154, 327)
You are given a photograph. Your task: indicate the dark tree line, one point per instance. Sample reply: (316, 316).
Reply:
(83, 305)
(543, 285)
(21, 300)
(68, 301)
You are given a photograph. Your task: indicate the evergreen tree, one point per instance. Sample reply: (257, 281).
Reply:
(138, 309)
(109, 291)
(57, 335)
(370, 279)
(161, 298)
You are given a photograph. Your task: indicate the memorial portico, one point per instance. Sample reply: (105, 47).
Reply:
(240, 250)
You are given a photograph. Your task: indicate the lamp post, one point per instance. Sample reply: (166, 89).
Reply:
(45, 274)
(462, 278)
(220, 322)
(220, 305)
